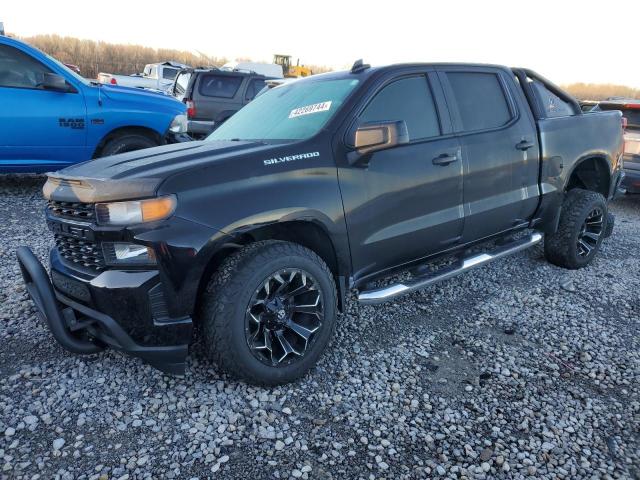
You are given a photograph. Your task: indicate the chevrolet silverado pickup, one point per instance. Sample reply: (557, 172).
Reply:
(330, 184)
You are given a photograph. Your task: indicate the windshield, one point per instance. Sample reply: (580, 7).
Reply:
(291, 112)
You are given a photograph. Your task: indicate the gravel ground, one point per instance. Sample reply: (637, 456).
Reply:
(519, 369)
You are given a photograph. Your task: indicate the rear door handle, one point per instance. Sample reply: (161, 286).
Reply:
(445, 159)
(524, 145)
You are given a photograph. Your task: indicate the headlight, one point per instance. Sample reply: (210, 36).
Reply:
(136, 211)
(179, 124)
(128, 254)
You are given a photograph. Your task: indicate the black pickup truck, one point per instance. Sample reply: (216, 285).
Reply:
(316, 188)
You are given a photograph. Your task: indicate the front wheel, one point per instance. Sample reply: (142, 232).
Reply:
(126, 143)
(268, 312)
(582, 227)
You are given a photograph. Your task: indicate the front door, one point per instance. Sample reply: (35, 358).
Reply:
(39, 129)
(405, 202)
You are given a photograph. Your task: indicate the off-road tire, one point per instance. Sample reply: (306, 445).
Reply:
(225, 301)
(611, 220)
(561, 247)
(126, 143)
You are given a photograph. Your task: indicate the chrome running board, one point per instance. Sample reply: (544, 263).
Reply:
(465, 264)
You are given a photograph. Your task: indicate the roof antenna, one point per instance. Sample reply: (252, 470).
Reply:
(358, 66)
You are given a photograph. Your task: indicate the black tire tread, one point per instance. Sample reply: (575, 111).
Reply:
(557, 245)
(105, 150)
(219, 300)
(611, 220)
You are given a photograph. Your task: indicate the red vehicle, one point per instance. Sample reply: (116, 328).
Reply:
(630, 109)
(73, 67)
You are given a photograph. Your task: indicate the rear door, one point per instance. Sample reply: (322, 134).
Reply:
(216, 96)
(499, 148)
(405, 202)
(39, 129)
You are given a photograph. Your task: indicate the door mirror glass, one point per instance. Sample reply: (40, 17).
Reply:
(53, 81)
(374, 136)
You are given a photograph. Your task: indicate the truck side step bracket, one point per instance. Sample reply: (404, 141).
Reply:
(465, 264)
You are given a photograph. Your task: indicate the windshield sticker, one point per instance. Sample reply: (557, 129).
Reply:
(315, 108)
(291, 158)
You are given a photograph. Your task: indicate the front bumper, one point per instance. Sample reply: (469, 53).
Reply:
(172, 137)
(200, 127)
(81, 328)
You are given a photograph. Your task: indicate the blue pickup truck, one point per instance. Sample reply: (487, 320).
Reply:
(51, 117)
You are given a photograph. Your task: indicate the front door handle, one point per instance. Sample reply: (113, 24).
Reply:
(524, 145)
(445, 159)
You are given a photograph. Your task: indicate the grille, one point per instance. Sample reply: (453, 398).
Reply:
(74, 210)
(80, 252)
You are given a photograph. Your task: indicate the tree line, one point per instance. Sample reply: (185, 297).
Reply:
(93, 57)
(601, 91)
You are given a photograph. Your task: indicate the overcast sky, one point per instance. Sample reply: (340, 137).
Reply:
(565, 40)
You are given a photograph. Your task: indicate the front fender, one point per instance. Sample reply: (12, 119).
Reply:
(272, 187)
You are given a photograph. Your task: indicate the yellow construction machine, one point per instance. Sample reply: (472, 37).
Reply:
(291, 71)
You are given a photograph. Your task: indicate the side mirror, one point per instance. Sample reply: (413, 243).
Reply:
(53, 81)
(374, 136)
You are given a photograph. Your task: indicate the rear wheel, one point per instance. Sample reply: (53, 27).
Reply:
(127, 143)
(582, 227)
(269, 312)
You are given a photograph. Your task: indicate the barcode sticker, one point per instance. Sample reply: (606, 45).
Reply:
(315, 108)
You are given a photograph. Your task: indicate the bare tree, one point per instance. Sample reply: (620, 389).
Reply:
(601, 91)
(93, 57)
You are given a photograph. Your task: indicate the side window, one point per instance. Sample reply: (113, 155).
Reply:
(481, 100)
(254, 87)
(219, 86)
(407, 99)
(553, 105)
(169, 73)
(17, 69)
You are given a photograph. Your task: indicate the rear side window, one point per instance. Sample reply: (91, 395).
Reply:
(254, 87)
(407, 99)
(18, 69)
(552, 104)
(481, 101)
(222, 86)
(169, 73)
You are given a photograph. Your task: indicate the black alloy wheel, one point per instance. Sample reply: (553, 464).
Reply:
(268, 312)
(590, 232)
(582, 227)
(283, 317)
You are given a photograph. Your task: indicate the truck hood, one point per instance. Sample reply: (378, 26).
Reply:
(129, 94)
(139, 174)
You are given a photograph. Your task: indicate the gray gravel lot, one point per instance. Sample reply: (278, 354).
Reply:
(516, 370)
